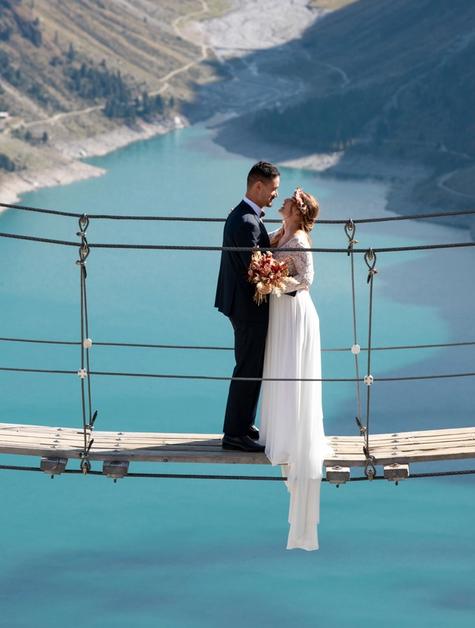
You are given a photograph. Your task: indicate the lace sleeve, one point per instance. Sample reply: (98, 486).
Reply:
(302, 261)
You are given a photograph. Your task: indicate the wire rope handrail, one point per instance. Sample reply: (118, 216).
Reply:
(55, 212)
(235, 249)
(257, 478)
(144, 345)
(15, 369)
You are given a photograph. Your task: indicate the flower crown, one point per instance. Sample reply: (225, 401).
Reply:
(298, 198)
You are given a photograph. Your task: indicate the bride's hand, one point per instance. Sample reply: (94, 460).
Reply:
(276, 237)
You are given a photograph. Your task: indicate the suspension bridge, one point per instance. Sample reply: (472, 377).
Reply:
(366, 450)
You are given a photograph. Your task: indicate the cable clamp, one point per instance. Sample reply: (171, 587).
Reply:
(85, 463)
(350, 229)
(370, 260)
(360, 425)
(355, 349)
(85, 466)
(82, 373)
(83, 225)
(368, 380)
(84, 251)
(369, 469)
(87, 343)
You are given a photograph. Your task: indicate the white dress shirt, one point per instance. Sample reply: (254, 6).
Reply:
(255, 207)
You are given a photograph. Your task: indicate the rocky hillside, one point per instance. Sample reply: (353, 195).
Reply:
(410, 76)
(44, 43)
(403, 89)
(76, 69)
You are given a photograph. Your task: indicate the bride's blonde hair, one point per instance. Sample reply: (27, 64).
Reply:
(308, 208)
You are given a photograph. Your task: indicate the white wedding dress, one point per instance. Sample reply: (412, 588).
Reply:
(291, 412)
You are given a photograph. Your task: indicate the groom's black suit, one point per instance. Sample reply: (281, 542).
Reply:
(234, 298)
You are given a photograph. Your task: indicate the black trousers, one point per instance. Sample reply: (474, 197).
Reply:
(249, 347)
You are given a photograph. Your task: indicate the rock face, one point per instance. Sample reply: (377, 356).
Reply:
(251, 26)
(409, 76)
(73, 71)
(373, 81)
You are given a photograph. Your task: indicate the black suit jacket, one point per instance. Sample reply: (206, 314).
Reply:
(234, 293)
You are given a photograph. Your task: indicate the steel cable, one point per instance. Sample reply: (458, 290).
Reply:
(144, 345)
(258, 478)
(370, 260)
(350, 231)
(84, 373)
(14, 369)
(55, 212)
(235, 249)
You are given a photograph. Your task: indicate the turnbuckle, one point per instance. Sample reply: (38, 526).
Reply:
(85, 463)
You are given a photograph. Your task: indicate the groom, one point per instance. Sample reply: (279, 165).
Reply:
(234, 298)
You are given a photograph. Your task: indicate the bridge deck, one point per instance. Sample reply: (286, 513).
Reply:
(402, 447)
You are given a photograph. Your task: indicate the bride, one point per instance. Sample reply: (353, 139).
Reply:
(291, 412)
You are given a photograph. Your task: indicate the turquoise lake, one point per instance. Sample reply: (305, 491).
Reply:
(177, 553)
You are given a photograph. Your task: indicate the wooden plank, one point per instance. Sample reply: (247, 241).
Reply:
(181, 435)
(424, 434)
(218, 457)
(111, 443)
(401, 448)
(75, 435)
(448, 431)
(231, 456)
(401, 439)
(414, 442)
(79, 430)
(110, 435)
(404, 442)
(215, 446)
(20, 447)
(415, 450)
(404, 458)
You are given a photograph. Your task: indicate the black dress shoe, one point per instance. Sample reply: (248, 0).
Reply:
(242, 443)
(253, 432)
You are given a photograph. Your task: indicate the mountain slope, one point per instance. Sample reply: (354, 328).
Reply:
(73, 70)
(411, 76)
(403, 89)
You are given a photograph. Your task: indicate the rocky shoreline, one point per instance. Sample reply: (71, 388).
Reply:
(71, 167)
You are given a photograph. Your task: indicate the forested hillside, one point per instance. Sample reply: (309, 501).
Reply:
(55, 56)
(77, 69)
(411, 76)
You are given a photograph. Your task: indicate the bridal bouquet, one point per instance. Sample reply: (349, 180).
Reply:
(267, 274)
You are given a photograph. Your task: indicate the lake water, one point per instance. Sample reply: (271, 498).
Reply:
(178, 553)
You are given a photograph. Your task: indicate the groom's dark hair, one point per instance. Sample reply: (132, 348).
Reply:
(262, 171)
